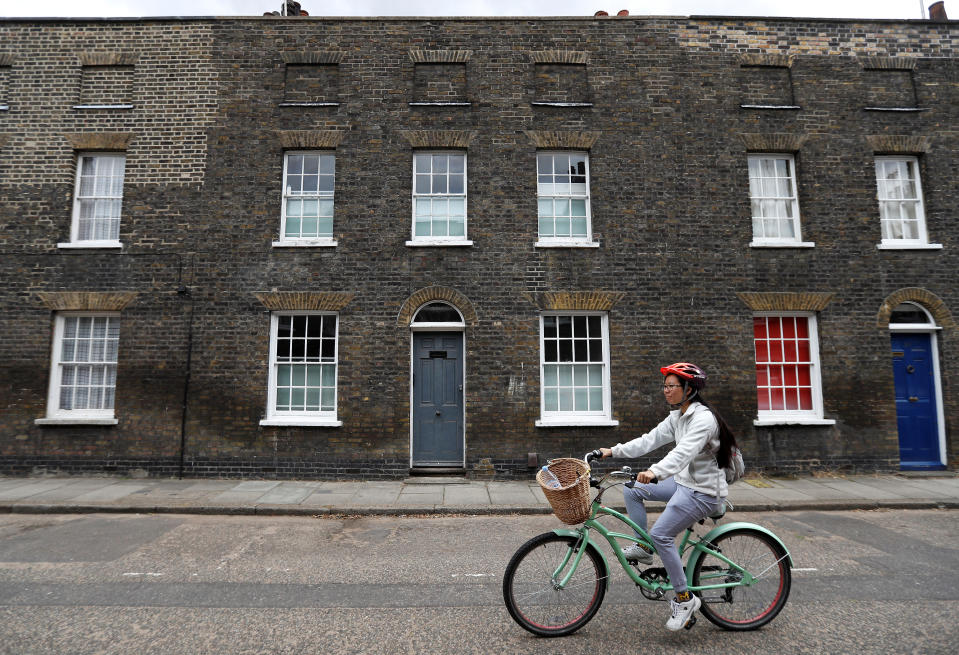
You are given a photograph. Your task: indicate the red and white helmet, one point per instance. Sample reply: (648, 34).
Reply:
(690, 374)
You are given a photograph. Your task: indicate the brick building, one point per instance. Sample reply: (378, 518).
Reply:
(314, 247)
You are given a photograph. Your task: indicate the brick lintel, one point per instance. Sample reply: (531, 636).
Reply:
(768, 301)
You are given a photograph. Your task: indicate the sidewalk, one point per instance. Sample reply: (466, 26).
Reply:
(424, 495)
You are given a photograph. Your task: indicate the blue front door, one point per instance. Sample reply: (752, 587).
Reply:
(438, 399)
(914, 375)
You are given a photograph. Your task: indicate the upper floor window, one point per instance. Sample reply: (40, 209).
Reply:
(307, 214)
(439, 83)
(561, 84)
(303, 363)
(774, 199)
(562, 184)
(574, 369)
(83, 374)
(97, 201)
(901, 212)
(788, 385)
(439, 199)
(311, 84)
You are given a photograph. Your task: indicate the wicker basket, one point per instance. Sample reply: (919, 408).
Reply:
(571, 502)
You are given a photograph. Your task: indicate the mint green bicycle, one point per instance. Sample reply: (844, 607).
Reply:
(555, 583)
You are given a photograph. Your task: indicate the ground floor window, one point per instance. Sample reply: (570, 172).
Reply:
(787, 366)
(574, 367)
(84, 366)
(303, 361)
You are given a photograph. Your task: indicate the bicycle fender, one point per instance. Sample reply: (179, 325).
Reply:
(729, 527)
(589, 542)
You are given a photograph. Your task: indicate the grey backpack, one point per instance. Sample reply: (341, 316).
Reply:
(737, 467)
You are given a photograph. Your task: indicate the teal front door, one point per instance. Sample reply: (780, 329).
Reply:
(437, 399)
(916, 412)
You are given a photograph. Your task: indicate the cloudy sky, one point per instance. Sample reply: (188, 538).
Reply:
(819, 8)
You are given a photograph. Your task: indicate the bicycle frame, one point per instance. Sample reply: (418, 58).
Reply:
(696, 548)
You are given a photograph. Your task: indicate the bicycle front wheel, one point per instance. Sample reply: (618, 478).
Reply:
(531, 592)
(744, 607)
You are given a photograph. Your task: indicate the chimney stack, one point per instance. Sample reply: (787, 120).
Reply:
(937, 11)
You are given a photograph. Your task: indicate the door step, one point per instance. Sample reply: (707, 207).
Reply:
(437, 475)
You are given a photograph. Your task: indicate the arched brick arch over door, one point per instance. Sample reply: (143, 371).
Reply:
(433, 294)
(933, 304)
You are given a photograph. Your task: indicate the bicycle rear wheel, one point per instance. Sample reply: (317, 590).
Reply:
(744, 607)
(535, 602)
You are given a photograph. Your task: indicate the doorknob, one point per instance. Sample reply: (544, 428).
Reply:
(913, 399)
(438, 412)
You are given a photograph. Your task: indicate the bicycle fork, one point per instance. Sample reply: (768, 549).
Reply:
(559, 579)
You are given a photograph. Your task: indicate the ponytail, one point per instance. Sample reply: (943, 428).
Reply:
(727, 440)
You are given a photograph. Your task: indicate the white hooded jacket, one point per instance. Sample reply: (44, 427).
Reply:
(691, 461)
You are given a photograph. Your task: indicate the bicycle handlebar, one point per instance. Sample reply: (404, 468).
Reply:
(625, 472)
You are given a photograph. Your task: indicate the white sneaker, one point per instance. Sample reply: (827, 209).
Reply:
(638, 552)
(682, 612)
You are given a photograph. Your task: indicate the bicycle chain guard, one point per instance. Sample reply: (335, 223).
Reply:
(654, 576)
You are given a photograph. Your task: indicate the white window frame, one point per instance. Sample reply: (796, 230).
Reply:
(792, 200)
(301, 418)
(585, 241)
(573, 418)
(75, 241)
(903, 243)
(813, 416)
(57, 416)
(320, 196)
(458, 240)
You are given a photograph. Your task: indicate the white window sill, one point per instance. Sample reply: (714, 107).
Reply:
(902, 109)
(306, 243)
(761, 422)
(90, 244)
(890, 245)
(782, 244)
(309, 104)
(770, 107)
(566, 244)
(302, 422)
(120, 106)
(440, 104)
(76, 421)
(432, 243)
(561, 104)
(574, 421)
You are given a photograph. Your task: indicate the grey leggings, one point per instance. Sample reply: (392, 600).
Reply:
(683, 508)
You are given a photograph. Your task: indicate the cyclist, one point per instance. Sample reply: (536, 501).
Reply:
(690, 477)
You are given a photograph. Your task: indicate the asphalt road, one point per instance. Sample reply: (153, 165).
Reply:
(865, 582)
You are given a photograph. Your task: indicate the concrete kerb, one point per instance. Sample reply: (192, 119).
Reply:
(425, 511)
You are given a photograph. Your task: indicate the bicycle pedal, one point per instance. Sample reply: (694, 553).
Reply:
(690, 623)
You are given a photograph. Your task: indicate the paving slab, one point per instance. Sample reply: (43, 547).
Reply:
(285, 494)
(858, 490)
(70, 490)
(110, 493)
(512, 493)
(31, 488)
(258, 485)
(471, 495)
(239, 498)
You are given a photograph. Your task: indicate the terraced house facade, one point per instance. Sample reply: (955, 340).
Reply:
(361, 247)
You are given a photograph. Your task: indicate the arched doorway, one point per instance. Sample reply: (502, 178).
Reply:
(915, 363)
(437, 397)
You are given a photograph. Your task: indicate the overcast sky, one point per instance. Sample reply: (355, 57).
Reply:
(819, 8)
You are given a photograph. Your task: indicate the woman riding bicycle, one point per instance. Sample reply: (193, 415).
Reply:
(690, 477)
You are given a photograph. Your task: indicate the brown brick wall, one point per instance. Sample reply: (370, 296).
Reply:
(667, 139)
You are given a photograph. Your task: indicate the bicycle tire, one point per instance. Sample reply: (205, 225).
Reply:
(532, 599)
(744, 607)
